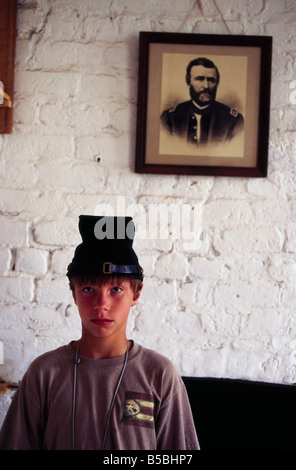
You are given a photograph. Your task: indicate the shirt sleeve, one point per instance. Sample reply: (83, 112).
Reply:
(175, 429)
(22, 426)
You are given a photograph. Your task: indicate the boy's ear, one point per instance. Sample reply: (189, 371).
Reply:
(137, 296)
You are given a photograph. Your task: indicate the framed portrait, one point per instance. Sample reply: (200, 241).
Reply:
(7, 55)
(203, 104)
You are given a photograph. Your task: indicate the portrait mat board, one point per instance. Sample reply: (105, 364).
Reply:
(164, 148)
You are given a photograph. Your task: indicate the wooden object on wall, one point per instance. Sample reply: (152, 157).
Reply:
(7, 54)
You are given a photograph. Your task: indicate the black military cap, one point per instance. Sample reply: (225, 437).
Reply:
(106, 248)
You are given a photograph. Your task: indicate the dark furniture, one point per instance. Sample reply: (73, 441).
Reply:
(242, 415)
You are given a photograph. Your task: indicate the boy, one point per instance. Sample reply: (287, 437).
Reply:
(103, 391)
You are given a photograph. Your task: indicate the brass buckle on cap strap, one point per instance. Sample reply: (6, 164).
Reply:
(107, 268)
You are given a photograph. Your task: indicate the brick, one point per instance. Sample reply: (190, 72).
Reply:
(282, 269)
(248, 239)
(29, 203)
(30, 148)
(57, 232)
(63, 56)
(187, 294)
(13, 231)
(53, 291)
(263, 323)
(171, 266)
(60, 260)
(24, 113)
(207, 268)
(30, 83)
(244, 295)
(262, 188)
(14, 290)
(166, 292)
(221, 212)
(290, 245)
(88, 147)
(80, 176)
(12, 177)
(32, 261)
(5, 259)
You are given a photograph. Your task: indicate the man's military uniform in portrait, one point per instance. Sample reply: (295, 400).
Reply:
(215, 123)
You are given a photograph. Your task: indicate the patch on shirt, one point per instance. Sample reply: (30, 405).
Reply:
(138, 409)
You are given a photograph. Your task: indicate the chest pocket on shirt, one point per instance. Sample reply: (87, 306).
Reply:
(138, 410)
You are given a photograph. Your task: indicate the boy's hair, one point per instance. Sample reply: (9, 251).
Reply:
(136, 284)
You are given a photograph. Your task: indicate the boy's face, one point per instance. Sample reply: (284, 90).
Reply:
(104, 309)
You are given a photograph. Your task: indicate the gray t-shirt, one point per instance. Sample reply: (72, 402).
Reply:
(151, 409)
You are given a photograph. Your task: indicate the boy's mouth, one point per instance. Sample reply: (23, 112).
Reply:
(102, 321)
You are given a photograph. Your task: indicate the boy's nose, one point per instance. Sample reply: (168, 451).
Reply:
(100, 301)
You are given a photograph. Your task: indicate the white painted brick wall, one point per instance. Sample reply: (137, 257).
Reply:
(223, 310)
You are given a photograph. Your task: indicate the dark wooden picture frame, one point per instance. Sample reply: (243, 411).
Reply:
(7, 55)
(243, 95)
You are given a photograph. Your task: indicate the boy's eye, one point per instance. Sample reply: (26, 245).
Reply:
(87, 289)
(116, 289)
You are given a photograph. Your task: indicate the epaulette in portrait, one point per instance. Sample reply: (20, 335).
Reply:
(171, 109)
(233, 112)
